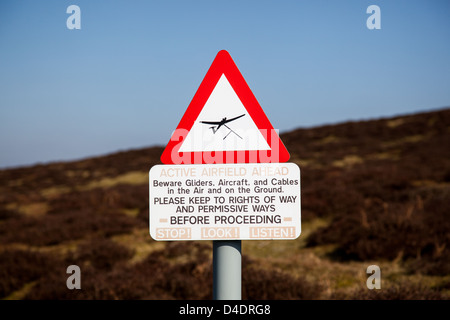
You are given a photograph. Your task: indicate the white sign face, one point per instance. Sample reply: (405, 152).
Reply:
(224, 124)
(254, 201)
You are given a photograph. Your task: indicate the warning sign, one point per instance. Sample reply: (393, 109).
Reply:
(224, 123)
(225, 201)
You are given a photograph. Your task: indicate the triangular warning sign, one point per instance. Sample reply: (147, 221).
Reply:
(224, 123)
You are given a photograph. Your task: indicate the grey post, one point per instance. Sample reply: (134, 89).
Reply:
(227, 265)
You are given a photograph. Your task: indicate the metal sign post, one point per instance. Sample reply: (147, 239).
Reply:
(227, 266)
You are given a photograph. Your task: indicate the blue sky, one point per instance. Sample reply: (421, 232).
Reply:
(125, 79)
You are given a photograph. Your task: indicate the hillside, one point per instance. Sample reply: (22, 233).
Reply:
(373, 192)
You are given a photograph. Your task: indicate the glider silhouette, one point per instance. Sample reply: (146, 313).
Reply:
(218, 124)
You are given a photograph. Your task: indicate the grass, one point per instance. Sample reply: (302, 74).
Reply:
(35, 209)
(129, 178)
(374, 192)
(348, 160)
(140, 243)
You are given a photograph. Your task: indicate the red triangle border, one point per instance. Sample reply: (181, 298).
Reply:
(224, 64)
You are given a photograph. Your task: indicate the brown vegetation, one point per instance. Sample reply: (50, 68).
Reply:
(373, 192)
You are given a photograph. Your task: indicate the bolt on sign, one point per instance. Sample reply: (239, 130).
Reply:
(225, 174)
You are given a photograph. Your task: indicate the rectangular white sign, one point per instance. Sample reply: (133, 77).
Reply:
(252, 201)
